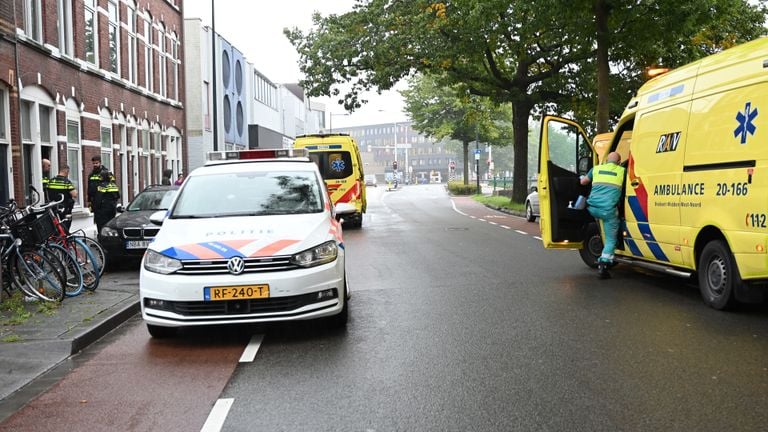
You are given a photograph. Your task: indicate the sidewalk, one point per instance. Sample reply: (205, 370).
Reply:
(40, 342)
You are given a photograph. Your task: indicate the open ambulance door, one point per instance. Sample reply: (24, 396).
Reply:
(565, 154)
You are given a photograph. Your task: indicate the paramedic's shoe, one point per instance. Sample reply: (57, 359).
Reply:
(602, 271)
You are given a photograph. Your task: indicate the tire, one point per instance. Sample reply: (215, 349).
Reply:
(87, 262)
(74, 275)
(160, 332)
(529, 212)
(41, 275)
(718, 275)
(97, 250)
(593, 246)
(340, 320)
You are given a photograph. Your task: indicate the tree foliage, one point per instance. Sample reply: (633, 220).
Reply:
(452, 112)
(537, 55)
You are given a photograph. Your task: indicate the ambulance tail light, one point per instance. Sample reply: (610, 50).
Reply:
(256, 154)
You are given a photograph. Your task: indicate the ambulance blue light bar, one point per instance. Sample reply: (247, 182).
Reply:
(255, 154)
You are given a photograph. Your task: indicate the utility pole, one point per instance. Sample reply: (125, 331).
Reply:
(213, 68)
(477, 159)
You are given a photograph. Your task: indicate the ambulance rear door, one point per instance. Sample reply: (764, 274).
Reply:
(565, 154)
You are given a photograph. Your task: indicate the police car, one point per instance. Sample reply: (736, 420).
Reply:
(251, 237)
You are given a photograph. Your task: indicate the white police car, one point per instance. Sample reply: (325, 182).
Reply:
(251, 237)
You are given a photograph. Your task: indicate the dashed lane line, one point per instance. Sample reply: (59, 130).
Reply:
(253, 347)
(537, 237)
(218, 415)
(521, 232)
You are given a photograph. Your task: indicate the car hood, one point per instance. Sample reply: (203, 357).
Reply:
(221, 238)
(131, 219)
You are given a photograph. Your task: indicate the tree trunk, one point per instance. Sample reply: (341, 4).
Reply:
(603, 68)
(520, 112)
(465, 149)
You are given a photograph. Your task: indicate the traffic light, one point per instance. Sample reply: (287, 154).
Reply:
(394, 165)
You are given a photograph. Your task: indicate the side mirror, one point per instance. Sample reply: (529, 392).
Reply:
(534, 189)
(344, 208)
(119, 208)
(158, 217)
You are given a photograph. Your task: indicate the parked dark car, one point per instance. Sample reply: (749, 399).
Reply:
(128, 234)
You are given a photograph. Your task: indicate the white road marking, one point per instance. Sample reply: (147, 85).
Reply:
(505, 227)
(492, 223)
(218, 414)
(453, 203)
(521, 232)
(253, 347)
(473, 217)
(537, 238)
(482, 220)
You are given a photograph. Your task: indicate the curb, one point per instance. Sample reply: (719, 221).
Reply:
(94, 333)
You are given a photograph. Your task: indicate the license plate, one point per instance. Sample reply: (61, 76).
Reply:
(137, 244)
(237, 292)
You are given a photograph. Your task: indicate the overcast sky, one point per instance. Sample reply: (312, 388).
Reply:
(256, 29)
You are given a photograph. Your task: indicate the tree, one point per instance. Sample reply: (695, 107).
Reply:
(451, 112)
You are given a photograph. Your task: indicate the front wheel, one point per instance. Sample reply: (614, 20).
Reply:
(529, 213)
(718, 275)
(593, 246)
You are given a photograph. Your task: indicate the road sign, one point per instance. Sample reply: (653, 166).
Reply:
(477, 151)
(452, 165)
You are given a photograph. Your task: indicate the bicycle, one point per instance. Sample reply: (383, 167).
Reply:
(25, 269)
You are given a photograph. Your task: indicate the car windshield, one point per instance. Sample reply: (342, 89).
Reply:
(153, 200)
(249, 194)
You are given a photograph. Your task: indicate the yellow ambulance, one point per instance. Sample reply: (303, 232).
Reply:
(694, 143)
(340, 163)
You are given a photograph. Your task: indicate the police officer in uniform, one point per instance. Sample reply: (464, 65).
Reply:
(105, 200)
(46, 178)
(94, 178)
(607, 183)
(61, 186)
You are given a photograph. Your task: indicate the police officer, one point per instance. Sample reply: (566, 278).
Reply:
(46, 178)
(61, 186)
(105, 200)
(607, 184)
(94, 178)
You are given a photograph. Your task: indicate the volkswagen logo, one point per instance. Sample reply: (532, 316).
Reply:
(236, 265)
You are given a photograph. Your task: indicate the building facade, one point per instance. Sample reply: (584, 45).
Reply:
(91, 77)
(419, 158)
(247, 109)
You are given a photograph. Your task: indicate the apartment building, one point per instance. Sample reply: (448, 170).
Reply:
(80, 78)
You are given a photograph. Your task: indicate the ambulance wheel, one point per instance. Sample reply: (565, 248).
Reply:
(593, 246)
(718, 275)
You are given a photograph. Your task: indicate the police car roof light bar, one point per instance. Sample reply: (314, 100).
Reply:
(256, 154)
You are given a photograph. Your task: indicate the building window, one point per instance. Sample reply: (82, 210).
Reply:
(26, 121)
(130, 17)
(3, 113)
(106, 146)
(45, 124)
(65, 27)
(148, 70)
(161, 61)
(175, 62)
(206, 105)
(91, 32)
(114, 37)
(73, 154)
(33, 20)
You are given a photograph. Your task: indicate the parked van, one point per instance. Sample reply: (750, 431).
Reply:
(338, 157)
(693, 142)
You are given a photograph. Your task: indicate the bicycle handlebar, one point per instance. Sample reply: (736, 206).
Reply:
(45, 206)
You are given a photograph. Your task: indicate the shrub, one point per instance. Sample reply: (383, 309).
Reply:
(459, 188)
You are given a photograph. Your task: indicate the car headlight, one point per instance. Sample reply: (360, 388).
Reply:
(159, 263)
(318, 255)
(109, 232)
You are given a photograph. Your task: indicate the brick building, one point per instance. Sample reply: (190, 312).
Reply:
(80, 78)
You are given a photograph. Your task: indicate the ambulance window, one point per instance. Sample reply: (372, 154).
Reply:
(333, 165)
(567, 146)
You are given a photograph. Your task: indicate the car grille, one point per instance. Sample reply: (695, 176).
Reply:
(252, 265)
(238, 307)
(140, 232)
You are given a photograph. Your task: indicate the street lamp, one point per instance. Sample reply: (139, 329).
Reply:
(330, 116)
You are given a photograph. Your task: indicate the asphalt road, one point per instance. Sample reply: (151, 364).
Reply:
(460, 321)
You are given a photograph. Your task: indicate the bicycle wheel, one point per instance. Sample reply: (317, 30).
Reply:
(98, 251)
(86, 261)
(35, 271)
(72, 270)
